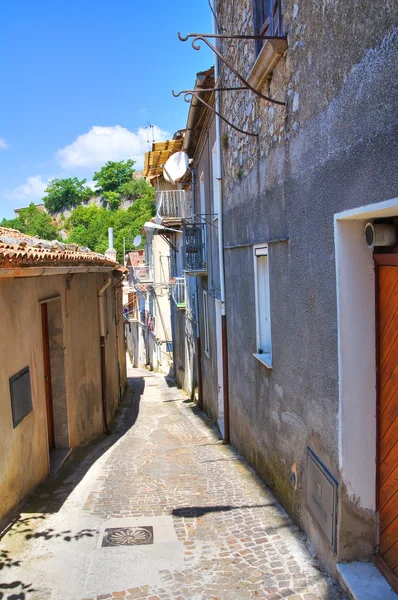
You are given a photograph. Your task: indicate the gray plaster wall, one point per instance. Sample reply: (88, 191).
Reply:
(184, 350)
(334, 147)
(210, 283)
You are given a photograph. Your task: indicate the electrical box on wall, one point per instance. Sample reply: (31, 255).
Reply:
(322, 496)
(21, 396)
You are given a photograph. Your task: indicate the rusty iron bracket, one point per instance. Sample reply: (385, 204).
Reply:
(195, 93)
(202, 37)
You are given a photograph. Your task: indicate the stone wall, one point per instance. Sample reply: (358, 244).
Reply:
(331, 148)
(24, 454)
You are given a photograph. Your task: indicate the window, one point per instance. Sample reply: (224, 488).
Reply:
(267, 19)
(206, 323)
(263, 313)
(202, 196)
(133, 312)
(152, 311)
(216, 178)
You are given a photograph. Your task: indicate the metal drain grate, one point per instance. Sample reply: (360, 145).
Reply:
(128, 536)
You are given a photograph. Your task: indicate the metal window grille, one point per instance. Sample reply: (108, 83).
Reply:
(195, 248)
(178, 292)
(171, 203)
(143, 273)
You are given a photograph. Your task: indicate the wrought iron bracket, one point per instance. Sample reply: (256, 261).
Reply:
(202, 37)
(195, 93)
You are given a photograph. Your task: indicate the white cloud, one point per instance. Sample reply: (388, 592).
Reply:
(94, 148)
(3, 144)
(91, 184)
(32, 189)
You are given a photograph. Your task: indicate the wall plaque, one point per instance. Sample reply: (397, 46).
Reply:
(322, 496)
(21, 396)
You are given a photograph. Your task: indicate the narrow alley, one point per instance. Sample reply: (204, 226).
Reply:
(160, 509)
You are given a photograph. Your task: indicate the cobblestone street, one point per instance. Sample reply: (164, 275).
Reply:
(217, 531)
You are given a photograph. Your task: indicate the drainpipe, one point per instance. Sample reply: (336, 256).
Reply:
(197, 336)
(102, 350)
(221, 250)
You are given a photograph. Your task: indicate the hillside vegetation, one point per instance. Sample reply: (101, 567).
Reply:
(88, 224)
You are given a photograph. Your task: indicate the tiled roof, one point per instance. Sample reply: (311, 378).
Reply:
(20, 250)
(157, 157)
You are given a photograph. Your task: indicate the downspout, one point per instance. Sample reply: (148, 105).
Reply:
(116, 289)
(221, 250)
(197, 336)
(102, 351)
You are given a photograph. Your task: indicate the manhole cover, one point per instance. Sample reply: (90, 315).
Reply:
(128, 536)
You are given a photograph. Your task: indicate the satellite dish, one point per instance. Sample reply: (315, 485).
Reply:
(175, 167)
(137, 240)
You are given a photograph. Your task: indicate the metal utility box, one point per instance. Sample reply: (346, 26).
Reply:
(322, 496)
(21, 396)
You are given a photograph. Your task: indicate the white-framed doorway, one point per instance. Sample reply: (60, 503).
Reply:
(357, 422)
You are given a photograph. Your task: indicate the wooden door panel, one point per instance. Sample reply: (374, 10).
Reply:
(390, 337)
(388, 414)
(390, 487)
(390, 411)
(389, 367)
(388, 514)
(391, 558)
(389, 438)
(388, 301)
(389, 536)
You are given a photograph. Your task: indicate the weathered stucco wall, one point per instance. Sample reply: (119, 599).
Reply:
(333, 147)
(24, 458)
(210, 283)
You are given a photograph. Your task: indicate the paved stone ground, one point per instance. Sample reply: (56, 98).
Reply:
(218, 532)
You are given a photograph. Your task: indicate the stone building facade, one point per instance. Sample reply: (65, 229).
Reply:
(300, 193)
(63, 369)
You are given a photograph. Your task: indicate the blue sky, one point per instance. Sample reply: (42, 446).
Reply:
(79, 79)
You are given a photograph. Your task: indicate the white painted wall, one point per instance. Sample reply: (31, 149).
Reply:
(355, 279)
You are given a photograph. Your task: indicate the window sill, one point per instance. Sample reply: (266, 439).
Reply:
(265, 359)
(262, 69)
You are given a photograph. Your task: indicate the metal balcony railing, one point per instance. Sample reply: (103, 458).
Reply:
(178, 292)
(143, 273)
(171, 203)
(195, 256)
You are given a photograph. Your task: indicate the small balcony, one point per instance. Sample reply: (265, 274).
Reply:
(195, 255)
(143, 273)
(171, 204)
(178, 292)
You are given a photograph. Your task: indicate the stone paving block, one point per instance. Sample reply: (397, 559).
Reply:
(236, 543)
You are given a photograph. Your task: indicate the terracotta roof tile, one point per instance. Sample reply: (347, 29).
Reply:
(20, 250)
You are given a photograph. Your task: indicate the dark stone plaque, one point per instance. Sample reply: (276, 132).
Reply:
(21, 396)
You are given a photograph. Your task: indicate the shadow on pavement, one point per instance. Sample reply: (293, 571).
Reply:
(50, 495)
(199, 511)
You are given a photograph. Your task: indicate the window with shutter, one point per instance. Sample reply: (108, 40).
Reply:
(267, 19)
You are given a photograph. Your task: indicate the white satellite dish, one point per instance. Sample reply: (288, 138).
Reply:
(175, 167)
(137, 240)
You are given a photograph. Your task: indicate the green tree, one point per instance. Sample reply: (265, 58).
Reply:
(134, 189)
(33, 221)
(88, 225)
(113, 175)
(66, 193)
(113, 199)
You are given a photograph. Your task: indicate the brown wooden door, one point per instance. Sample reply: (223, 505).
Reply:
(388, 415)
(47, 376)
